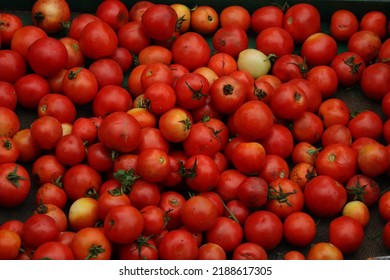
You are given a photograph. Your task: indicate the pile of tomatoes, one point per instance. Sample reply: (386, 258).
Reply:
(164, 131)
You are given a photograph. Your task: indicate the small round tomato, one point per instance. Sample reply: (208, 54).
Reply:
(39, 229)
(324, 197)
(46, 131)
(349, 67)
(357, 210)
(307, 128)
(275, 167)
(13, 65)
(47, 169)
(83, 213)
(9, 24)
(252, 191)
(363, 188)
(319, 49)
(227, 186)
(365, 43)
(204, 19)
(301, 173)
(160, 97)
(231, 40)
(249, 251)
(248, 157)
(70, 150)
(325, 77)
(288, 67)
(226, 233)
(374, 21)
(9, 152)
(299, 229)
(343, 24)
(375, 81)
(178, 245)
(58, 106)
(201, 173)
(8, 97)
(159, 22)
(80, 85)
(293, 255)
(266, 16)
(53, 250)
(15, 184)
(30, 89)
(222, 63)
(304, 152)
(373, 159)
(384, 206)
(10, 244)
(153, 165)
(346, 233)
(107, 72)
(198, 214)
(334, 111)
(366, 124)
(279, 141)
(336, 134)
(211, 251)
(91, 244)
(171, 202)
(324, 251)
(275, 41)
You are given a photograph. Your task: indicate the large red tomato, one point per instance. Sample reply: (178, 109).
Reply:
(159, 22)
(15, 184)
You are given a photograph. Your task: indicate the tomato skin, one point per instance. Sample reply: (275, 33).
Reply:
(294, 255)
(46, 131)
(346, 234)
(13, 65)
(307, 128)
(111, 98)
(267, 16)
(10, 243)
(252, 191)
(231, 40)
(235, 15)
(325, 77)
(375, 81)
(153, 165)
(248, 157)
(53, 250)
(10, 23)
(275, 40)
(386, 235)
(302, 20)
(9, 152)
(159, 22)
(15, 184)
(366, 124)
(201, 173)
(47, 169)
(198, 214)
(91, 244)
(80, 80)
(178, 245)
(211, 251)
(319, 49)
(192, 90)
(324, 197)
(39, 229)
(172, 201)
(363, 188)
(191, 50)
(113, 13)
(275, 167)
(107, 72)
(324, 251)
(226, 233)
(288, 67)
(279, 141)
(70, 150)
(334, 111)
(373, 159)
(264, 228)
(336, 133)
(142, 249)
(204, 20)
(374, 21)
(343, 24)
(384, 206)
(249, 251)
(299, 229)
(365, 43)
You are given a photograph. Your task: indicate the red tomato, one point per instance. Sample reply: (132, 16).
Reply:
(324, 251)
(78, 24)
(325, 77)
(226, 233)
(264, 228)
(191, 50)
(248, 157)
(198, 213)
(58, 106)
(137, 9)
(294, 255)
(211, 251)
(159, 22)
(47, 169)
(275, 167)
(15, 184)
(75, 56)
(275, 41)
(249, 251)
(375, 81)
(349, 67)
(10, 244)
(300, 128)
(46, 131)
(284, 198)
(231, 39)
(107, 72)
(227, 186)
(384, 52)
(178, 245)
(366, 124)
(374, 21)
(109, 99)
(143, 248)
(132, 37)
(154, 220)
(123, 224)
(266, 16)
(334, 111)
(192, 90)
(55, 212)
(70, 150)
(237, 210)
(336, 134)
(222, 64)
(119, 124)
(302, 20)
(365, 43)
(301, 173)
(91, 244)
(363, 188)
(161, 97)
(39, 229)
(10, 23)
(288, 67)
(8, 97)
(343, 24)
(346, 234)
(373, 159)
(115, 13)
(175, 124)
(171, 202)
(53, 250)
(98, 40)
(9, 152)
(384, 206)
(279, 142)
(24, 37)
(319, 49)
(30, 89)
(304, 152)
(153, 165)
(235, 15)
(13, 65)
(324, 197)
(204, 20)
(299, 229)
(51, 193)
(252, 191)
(338, 161)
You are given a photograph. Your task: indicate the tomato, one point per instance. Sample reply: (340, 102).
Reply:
(15, 184)
(252, 191)
(58, 106)
(70, 150)
(91, 244)
(302, 20)
(153, 165)
(289, 102)
(248, 157)
(137, 9)
(159, 22)
(39, 229)
(13, 65)
(111, 98)
(53, 250)
(259, 90)
(201, 173)
(191, 90)
(365, 43)
(9, 24)
(98, 40)
(343, 24)
(227, 186)
(175, 124)
(123, 224)
(51, 193)
(235, 15)
(374, 21)
(10, 244)
(30, 89)
(155, 53)
(237, 210)
(266, 16)
(81, 180)
(284, 197)
(304, 152)
(346, 234)
(111, 132)
(384, 206)
(274, 167)
(80, 85)
(334, 111)
(83, 213)
(373, 159)
(132, 37)
(325, 77)
(366, 124)
(231, 39)
(160, 97)
(264, 228)
(254, 61)
(171, 202)
(386, 235)
(13, 225)
(357, 210)
(294, 255)
(253, 120)
(211, 251)
(324, 197)
(204, 20)
(349, 67)
(191, 50)
(226, 233)
(307, 128)
(46, 131)
(198, 213)
(336, 134)
(50, 15)
(47, 169)
(222, 64)
(9, 152)
(114, 13)
(249, 251)
(288, 67)
(376, 74)
(279, 142)
(107, 72)
(24, 37)
(144, 248)
(8, 97)
(319, 49)
(384, 52)
(152, 137)
(183, 12)
(178, 245)
(299, 229)
(324, 251)
(55, 212)
(275, 41)
(156, 72)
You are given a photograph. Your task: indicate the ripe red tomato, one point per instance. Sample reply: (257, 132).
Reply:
(384, 52)
(211, 251)
(249, 251)
(30, 89)
(178, 245)
(137, 9)
(365, 43)
(115, 13)
(46, 131)
(15, 184)
(9, 152)
(319, 49)
(10, 23)
(299, 229)
(153, 165)
(204, 20)
(201, 173)
(159, 22)
(336, 134)
(349, 67)
(373, 159)
(374, 21)
(304, 152)
(275, 167)
(222, 64)
(70, 150)
(343, 23)
(279, 141)
(266, 16)
(334, 111)
(58, 106)
(375, 81)
(384, 206)
(325, 77)
(324, 197)
(235, 15)
(366, 124)
(198, 213)
(346, 233)
(10, 244)
(47, 169)
(107, 72)
(263, 228)
(248, 157)
(363, 188)
(324, 251)
(302, 20)
(288, 67)
(301, 173)
(230, 39)
(227, 186)
(160, 97)
(300, 126)
(275, 41)
(8, 97)
(53, 250)
(13, 65)
(91, 244)
(171, 202)
(143, 248)
(39, 229)
(226, 233)
(51, 193)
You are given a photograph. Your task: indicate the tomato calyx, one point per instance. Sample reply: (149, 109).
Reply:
(310, 174)
(230, 212)
(42, 208)
(14, 178)
(298, 97)
(126, 179)
(259, 93)
(7, 144)
(357, 190)
(228, 89)
(189, 172)
(92, 193)
(302, 66)
(94, 251)
(350, 61)
(73, 74)
(196, 94)
(39, 17)
(187, 124)
(280, 195)
(116, 192)
(142, 241)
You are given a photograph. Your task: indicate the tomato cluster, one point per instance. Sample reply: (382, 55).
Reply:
(163, 131)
